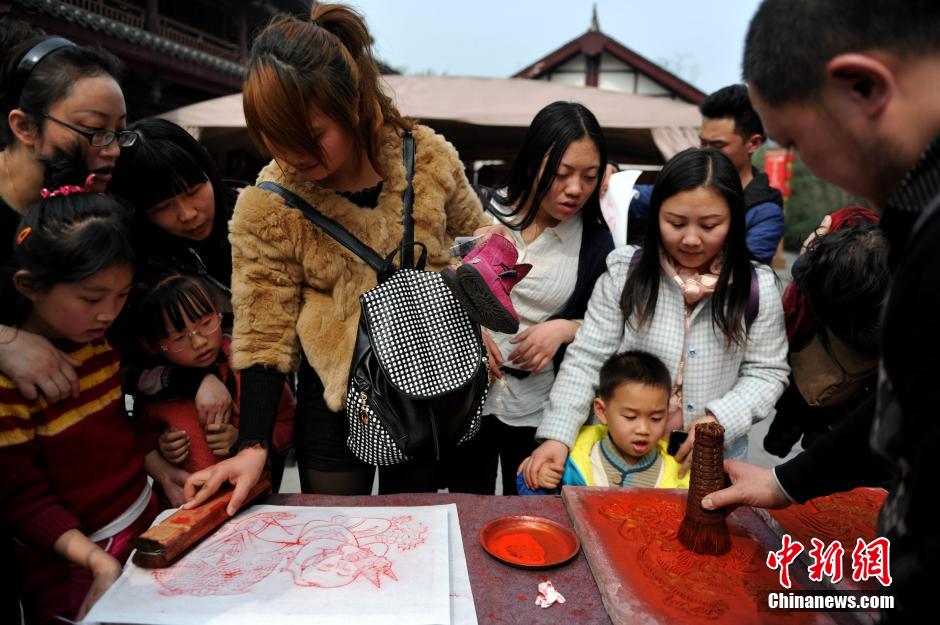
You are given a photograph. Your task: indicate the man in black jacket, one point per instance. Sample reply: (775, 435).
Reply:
(731, 125)
(861, 103)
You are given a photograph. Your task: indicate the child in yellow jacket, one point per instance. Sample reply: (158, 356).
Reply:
(628, 447)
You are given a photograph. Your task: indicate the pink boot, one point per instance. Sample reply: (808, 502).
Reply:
(483, 280)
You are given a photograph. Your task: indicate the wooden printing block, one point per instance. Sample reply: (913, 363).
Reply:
(163, 544)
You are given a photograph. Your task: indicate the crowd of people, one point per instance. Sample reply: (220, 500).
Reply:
(130, 270)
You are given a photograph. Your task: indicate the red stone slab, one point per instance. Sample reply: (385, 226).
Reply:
(845, 517)
(646, 576)
(502, 594)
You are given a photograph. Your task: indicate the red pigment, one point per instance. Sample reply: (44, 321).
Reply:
(845, 517)
(635, 533)
(521, 597)
(518, 547)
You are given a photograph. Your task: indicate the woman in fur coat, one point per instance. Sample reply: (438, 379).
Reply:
(313, 100)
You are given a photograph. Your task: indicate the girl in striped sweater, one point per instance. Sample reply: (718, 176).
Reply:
(74, 490)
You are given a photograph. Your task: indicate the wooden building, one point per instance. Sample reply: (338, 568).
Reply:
(175, 52)
(597, 60)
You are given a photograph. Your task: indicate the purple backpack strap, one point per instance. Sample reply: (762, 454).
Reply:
(634, 261)
(753, 300)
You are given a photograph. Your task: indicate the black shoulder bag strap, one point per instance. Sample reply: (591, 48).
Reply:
(407, 201)
(332, 228)
(346, 238)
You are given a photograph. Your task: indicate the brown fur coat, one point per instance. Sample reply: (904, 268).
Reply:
(293, 286)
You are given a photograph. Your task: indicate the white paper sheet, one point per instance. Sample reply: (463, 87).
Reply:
(462, 609)
(615, 205)
(278, 564)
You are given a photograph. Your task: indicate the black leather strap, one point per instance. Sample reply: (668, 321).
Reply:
(407, 201)
(332, 228)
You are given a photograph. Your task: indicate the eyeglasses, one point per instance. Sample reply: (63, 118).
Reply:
(205, 328)
(100, 137)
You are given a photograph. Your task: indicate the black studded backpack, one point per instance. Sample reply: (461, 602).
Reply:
(418, 377)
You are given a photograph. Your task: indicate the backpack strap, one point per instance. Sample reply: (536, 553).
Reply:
(340, 234)
(753, 298)
(407, 202)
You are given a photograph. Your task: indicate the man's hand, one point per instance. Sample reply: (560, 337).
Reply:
(750, 485)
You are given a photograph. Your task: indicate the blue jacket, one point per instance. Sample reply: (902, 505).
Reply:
(764, 219)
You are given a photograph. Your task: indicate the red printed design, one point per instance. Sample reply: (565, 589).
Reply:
(317, 553)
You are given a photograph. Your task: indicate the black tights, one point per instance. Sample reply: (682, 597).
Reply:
(415, 477)
(351, 482)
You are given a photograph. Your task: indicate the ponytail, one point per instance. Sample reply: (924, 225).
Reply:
(324, 64)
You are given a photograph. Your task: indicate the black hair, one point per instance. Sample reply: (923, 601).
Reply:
(553, 129)
(844, 275)
(67, 238)
(633, 367)
(686, 171)
(734, 103)
(164, 162)
(178, 298)
(789, 42)
(50, 81)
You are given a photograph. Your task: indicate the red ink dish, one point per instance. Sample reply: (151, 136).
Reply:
(529, 542)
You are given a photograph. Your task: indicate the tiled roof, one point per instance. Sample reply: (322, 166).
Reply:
(136, 36)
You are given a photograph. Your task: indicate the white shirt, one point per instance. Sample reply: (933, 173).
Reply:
(542, 294)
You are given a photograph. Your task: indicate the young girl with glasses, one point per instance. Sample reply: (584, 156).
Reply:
(178, 322)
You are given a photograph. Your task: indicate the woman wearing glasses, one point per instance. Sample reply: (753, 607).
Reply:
(57, 100)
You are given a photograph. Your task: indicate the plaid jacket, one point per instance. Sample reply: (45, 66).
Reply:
(739, 386)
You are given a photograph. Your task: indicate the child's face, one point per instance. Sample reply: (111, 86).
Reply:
(693, 226)
(635, 416)
(80, 311)
(196, 345)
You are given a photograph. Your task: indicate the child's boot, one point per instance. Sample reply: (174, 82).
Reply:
(483, 281)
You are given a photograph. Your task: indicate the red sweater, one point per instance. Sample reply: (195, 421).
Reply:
(69, 465)
(156, 417)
